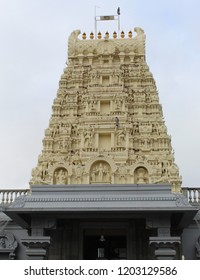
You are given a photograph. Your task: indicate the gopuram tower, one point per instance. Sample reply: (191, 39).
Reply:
(107, 124)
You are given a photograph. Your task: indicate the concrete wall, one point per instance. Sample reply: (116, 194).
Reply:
(189, 239)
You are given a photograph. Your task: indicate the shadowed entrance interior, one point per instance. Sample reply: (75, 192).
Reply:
(104, 246)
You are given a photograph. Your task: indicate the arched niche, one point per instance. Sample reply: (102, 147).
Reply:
(60, 176)
(141, 175)
(100, 172)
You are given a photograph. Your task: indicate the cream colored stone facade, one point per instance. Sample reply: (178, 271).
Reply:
(107, 123)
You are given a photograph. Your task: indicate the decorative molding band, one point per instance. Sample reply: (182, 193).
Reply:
(92, 199)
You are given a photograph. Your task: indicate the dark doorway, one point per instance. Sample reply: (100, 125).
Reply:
(107, 247)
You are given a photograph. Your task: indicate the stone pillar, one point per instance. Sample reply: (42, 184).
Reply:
(164, 247)
(36, 247)
(37, 243)
(96, 141)
(112, 140)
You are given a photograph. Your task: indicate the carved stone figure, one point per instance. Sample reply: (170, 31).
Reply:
(55, 131)
(78, 170)
(74, 129)
(118, 103)
(141, 176)
(95, 77)
(92, 104)
(2, 242)
(60, 176)
(121, 137)
(115, 77)
(100, 172)
(122, 172)
(88, 136)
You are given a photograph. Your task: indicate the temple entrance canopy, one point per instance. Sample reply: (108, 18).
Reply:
(135, 220)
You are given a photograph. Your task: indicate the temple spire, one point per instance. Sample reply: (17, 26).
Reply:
(107, 124)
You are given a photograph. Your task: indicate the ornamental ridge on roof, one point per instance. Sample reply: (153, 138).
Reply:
(104, 45)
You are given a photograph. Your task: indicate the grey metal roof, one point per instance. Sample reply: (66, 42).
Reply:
(100, 198)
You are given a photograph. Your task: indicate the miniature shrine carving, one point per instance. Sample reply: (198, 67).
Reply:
(60, 176)
(100, 173)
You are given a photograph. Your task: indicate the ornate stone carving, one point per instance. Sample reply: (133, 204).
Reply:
(8, 243)
(88, 137)
(107, 109)
(121, 137)
(72, 41)
(165, 248)
(78, 172)
(106, 46)
(36, 247)
(122, 173)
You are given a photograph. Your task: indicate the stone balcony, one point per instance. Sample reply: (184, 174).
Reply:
(7, 196)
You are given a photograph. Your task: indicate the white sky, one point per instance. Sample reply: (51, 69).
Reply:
(33, 52)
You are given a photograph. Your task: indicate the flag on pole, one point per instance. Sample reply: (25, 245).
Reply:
(118, 11)
(107, 17)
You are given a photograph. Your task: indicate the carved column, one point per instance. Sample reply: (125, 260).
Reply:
(164, 248)
(36, 247)
(37, 244)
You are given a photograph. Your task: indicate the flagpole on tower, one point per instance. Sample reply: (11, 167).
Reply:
(118, 13)
(106, 18)
(95, 21)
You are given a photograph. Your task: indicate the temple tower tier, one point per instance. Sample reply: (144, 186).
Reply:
(107, 124)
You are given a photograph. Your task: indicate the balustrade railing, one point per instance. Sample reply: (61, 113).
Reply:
(192, 194)
(7, 196)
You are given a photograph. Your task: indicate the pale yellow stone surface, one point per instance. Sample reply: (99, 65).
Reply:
(107, 123)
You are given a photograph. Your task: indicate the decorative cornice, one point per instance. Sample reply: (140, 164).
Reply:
(77, 47)
(36, 241)
(96, 199)
(164, 240)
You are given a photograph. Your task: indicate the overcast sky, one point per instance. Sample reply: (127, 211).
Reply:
(33, 52)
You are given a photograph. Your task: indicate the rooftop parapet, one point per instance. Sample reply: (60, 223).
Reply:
(105, 45)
